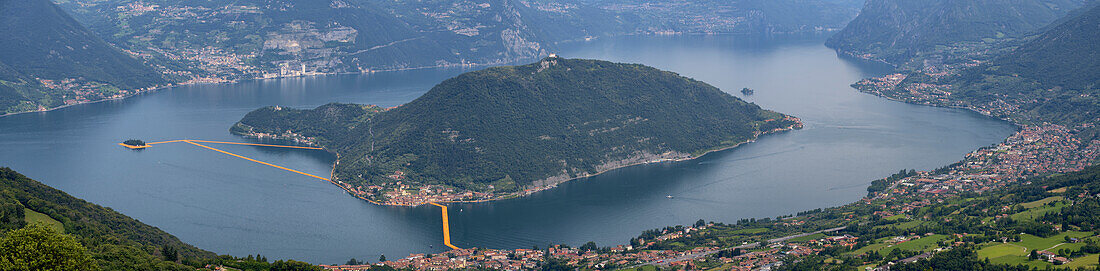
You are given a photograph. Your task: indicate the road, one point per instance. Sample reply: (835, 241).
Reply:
(665, 262)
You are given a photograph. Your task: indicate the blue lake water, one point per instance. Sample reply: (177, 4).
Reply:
(232, 206)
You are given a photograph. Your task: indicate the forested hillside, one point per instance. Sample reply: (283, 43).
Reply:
(896, 31)
(1054, 77)
(115, 241)
(47, 59)
(506, 128)
(112, 240)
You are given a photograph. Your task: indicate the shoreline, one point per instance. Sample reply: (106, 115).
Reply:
(261, 78)
(424, 67)
(347, 187)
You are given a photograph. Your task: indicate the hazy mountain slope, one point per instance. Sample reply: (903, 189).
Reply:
(40, 41)
(1054, 77)
(517, 126)
(224, 39)
(896, 30)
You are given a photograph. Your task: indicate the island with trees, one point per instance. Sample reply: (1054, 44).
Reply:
(134, 144)
(509, 131)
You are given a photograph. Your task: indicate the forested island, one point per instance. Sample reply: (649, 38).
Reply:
(134, 142)
(512, 130)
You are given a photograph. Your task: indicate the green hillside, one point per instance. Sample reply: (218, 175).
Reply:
(115, 241)
(112, 240)
(1052, 77)
(897, 30)
(518, 126)
(42, 42)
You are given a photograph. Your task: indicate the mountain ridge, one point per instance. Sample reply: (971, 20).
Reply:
(895, 31)
(47, 59)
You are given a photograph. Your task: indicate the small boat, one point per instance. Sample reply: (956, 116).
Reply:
(669, 196)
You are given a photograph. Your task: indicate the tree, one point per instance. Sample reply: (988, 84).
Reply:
(1034, 255)
(292, 265)
(353, 261)
(170, 253)
(39, 247)
(382, 258)
(700, 223)
(134, 142)
(589, 246)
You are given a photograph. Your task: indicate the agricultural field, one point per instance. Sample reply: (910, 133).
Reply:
(30, 216)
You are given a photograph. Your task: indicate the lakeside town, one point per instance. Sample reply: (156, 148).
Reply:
(1033, 150)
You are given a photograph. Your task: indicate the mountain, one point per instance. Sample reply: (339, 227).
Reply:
(47, 59)
(222, 40)
(1051, 77)
(116, 242)
(756, 17)
(897, 30)
(506, 128)
(113, 240)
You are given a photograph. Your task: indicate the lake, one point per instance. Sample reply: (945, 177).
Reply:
(232, 206)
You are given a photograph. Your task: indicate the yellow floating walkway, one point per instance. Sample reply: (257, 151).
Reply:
(257, 161)
(446, 221)
(446, 226)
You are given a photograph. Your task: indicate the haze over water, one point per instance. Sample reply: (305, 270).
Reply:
(229, 205)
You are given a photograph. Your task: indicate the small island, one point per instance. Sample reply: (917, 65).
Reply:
(747, 91)
(134, 144)
(511, 131)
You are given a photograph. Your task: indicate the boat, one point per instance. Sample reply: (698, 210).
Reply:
(669, 196)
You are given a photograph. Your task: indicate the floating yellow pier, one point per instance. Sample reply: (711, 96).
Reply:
(446, 226)
(446, 222)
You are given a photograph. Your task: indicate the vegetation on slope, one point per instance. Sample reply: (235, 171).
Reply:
(116, 242)
(896, 31)
(38, 247)
(93, 237)
(1052, 77)
(537, 124)
(41, 41)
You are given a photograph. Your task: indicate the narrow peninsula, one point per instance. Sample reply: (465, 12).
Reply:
(510, 131)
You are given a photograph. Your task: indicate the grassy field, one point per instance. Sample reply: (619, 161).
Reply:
(923, 244)
(1033, 213)
(1000, 250)
(1038, 203)
(32, 217)
(643, 268)
(750, 231)
(902, 225)
(1039, 243)
(806, 238)
(1015, 255)
(1084, 261)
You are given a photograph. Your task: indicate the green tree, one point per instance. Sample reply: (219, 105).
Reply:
(589, 246)
(39, 247)
(382, 258)
(170, 253)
